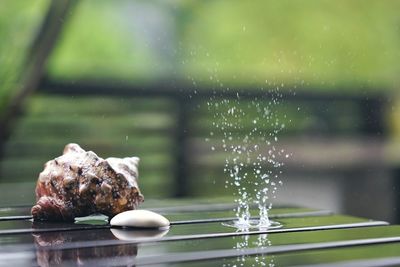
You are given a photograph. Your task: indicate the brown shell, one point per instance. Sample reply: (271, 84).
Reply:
(80, 183)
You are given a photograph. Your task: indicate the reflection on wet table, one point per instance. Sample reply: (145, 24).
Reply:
(198, 238)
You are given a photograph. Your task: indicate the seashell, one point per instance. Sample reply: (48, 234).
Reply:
(80, 183)
(140, 219)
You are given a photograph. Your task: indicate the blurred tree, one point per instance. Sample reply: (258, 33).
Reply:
(19, 23)
(27, 71)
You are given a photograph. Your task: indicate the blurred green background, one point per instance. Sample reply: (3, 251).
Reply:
(344, 52)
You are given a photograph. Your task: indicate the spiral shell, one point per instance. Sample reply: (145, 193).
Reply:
(80, 183)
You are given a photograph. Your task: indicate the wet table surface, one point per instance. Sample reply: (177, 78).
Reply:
(197, 237)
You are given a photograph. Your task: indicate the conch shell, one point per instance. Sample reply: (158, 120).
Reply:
(80, 183)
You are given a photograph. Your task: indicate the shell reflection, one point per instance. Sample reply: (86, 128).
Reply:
(59, 248)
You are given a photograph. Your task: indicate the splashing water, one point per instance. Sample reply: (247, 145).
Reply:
(246, 241)
(250, 129)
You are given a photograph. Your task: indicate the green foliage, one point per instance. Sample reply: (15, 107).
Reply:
(99, 40)
(323, 44)
(19, 22)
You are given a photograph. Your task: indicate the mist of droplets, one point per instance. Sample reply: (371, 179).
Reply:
(246, 241)
(250, 129)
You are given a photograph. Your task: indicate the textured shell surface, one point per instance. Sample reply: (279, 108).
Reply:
(80, 183)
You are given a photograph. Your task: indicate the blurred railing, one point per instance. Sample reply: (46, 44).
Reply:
(166, 124)
(369, 124)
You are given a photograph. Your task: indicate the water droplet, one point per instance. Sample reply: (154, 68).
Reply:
(251, 158)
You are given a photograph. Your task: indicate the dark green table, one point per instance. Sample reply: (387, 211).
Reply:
(198, 238)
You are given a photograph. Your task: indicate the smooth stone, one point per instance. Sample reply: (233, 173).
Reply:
(140, 219)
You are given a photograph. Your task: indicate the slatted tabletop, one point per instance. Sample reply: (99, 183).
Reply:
(197, 237)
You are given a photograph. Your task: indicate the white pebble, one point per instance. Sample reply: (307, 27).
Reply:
(140, 219)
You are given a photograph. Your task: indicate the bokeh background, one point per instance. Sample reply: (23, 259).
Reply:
(137, 78)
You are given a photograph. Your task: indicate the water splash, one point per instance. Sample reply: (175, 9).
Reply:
(249, 130)
(246, 241)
